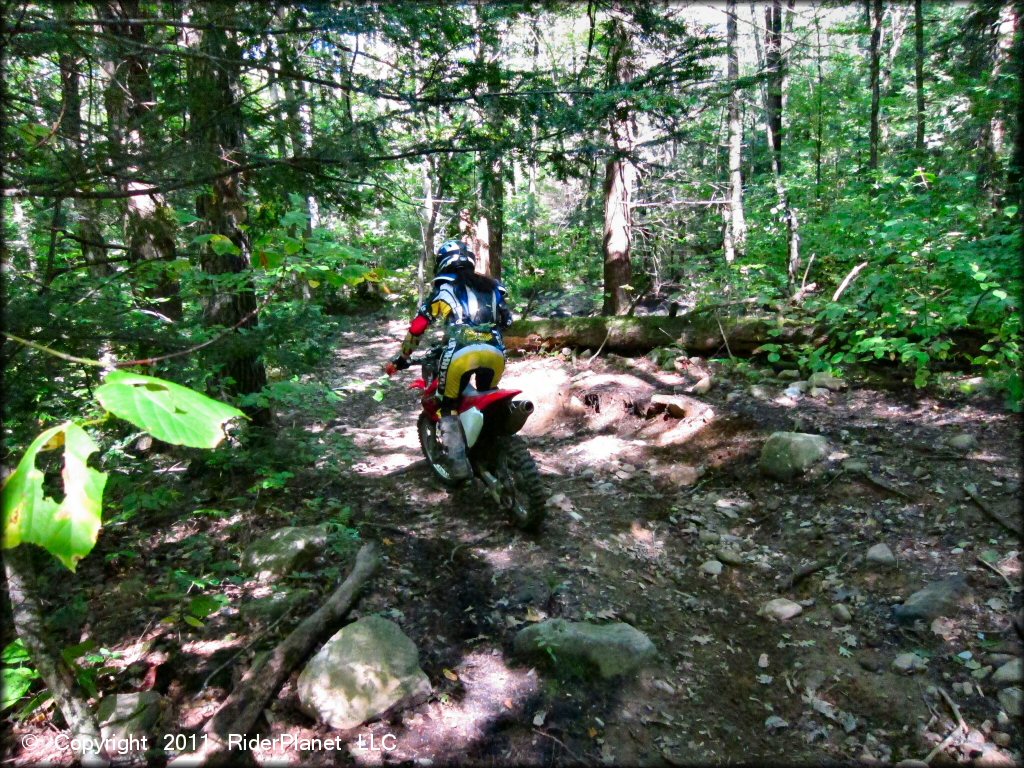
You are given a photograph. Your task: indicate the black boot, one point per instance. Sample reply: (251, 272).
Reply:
(449, 429)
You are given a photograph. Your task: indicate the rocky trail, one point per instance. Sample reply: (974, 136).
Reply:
(852, 598)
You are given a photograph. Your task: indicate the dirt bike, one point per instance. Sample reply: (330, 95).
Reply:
(490, 420)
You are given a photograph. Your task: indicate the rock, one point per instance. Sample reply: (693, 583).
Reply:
(775, 723)
(789, 374)
(911, 763)
(283, 551)
(1012, 701)
(702, 387)
(274, 606)
(128, 717)
(818, 392)
(826, 381)
(711, 568)
(1011, 672)
(841, 613)
(909, 663)
(855, 465)
(1002, 738)
(780, 609)
(729, 557)
(941, 598)
(793, 391)
(881, 554)
(615, 649)
(708, 537)
(788, 454)
(962, 442)
(366, 669)
(760, 392)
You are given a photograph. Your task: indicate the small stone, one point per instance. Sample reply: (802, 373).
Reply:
(818, 392)
(729, 557)
(841, 613)
(760, 392)
(909, 663)
(881, 554)
(708, 537)
(1011, 672)
(962, 442)
(1002, 739)
(940, 598)
(781, 609)
(786, 455)
(789, 374)
(702, 387)
(826, 381)
(1012, 701)
(711, 568)
(855, 465)
(775, 723)
(912, 763)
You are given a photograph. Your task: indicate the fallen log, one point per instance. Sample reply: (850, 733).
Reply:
(240, 710)
(703, 333)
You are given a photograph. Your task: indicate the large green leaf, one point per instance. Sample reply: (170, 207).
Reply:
(68, 529)
(168, 411)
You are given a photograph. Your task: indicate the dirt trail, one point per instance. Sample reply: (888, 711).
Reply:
(638, 504)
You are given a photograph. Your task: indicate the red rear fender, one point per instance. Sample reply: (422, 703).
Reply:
(485, 399)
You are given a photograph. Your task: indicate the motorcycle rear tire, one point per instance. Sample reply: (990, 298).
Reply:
(434, 451)
(522, 492)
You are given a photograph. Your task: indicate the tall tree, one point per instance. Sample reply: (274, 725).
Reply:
(149, 221)
(736, 225)
(875, 56)
(919, 74)
(620, 174)
(217, 136)
(775, 73)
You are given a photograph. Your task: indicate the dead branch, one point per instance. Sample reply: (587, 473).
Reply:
(1010, 525)
(239, 712)
(847, 280)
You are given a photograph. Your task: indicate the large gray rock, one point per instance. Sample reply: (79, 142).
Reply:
(368, 668)
(1010, 672)
(283, 551)
(941, 598)
(127, 718)
(788, 454)
(615, 649)
(1012, 701)
(881, 555)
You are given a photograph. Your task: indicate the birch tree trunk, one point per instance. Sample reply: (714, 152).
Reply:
(619, 181)
(736, 225)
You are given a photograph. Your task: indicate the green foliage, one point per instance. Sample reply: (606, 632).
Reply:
(68, 528)
(16, 675)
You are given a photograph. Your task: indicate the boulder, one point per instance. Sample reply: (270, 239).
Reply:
(614, 649)
(941, 598)
(366, 669)
(788, 454)
(1010, 672)
(1012, 701)
(909, 663)
(826, 381)
(283, 551)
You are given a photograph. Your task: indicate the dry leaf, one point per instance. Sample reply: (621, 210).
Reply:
(450, 675)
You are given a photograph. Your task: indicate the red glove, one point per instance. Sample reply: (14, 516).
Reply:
(400, 363)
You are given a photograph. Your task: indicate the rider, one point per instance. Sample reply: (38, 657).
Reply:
(474, 310)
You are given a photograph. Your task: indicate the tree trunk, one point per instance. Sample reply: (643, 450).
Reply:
(774, 66)
(620, 180)
(736, 227)
(696, 332)
(217, 135)
(46, 656)
(875, 64)
(1015, 177)
(790, 213)
(149, 222)
(919, 73)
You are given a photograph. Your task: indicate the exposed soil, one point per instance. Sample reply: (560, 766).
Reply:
(638, 503)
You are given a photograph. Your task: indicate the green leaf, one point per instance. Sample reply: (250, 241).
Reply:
(15, 653)
(16, 681)
(192, 621)
(67, 530)
(221, 244)
(204, 605)
(168, 411)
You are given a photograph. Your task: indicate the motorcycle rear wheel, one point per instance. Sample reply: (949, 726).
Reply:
(519, 483)
(434, 451)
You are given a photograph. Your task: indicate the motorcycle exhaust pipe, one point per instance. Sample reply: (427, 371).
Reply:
(518, 412)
